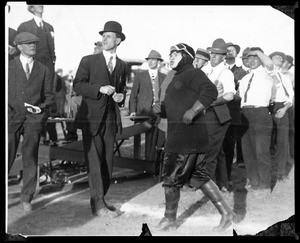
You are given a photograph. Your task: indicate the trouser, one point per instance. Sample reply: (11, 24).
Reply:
(281, 139)
(229, 146)
(98, 152)
(256, 146)
(215, 157)
(31, 135)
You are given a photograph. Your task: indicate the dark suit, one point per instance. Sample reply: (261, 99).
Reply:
(233, 134)
(141, 102)
(99, 117)
(45, 53)
(141, 97)
(35, 91)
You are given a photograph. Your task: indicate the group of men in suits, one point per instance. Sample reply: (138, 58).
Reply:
(100, 80)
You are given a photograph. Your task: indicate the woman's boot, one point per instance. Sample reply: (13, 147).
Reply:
(211, 191)
(172, 196)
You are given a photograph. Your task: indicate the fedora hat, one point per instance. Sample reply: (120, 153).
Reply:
(218, 46)
(113, 26)
(202, 54)
(237, 47)
(279, 54)
(25, 37)
(155, 55)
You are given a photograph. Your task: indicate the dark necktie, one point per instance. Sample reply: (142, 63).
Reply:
(41, 25)
(27, 71)
(110, 65)
(245, 95)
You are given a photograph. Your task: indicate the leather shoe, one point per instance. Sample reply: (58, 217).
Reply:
(99, 208)
(166, 224)
(109, 206)
(27, 207)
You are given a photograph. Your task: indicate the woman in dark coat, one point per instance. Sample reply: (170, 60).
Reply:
(187, 96)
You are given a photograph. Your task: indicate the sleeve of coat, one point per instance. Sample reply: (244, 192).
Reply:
(82, 85)
(207, 90)
(134, 94)
(49, 96)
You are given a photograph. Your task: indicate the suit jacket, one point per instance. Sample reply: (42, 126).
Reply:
(35, 91)
(93, 73)
(141, 97)
(31, 27)
(234, 105)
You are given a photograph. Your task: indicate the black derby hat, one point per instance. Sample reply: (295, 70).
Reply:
(113, 26)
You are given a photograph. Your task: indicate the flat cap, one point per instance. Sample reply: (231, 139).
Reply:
(25, 37)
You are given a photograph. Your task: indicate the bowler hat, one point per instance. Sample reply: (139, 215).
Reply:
(245, 52)
(290, 59)
(185, 48)
(237, 47)
(113, 26)
(218, 46)
(25, 37)
(98, 43)
(202, 54)
(154, 54)
(279, 54)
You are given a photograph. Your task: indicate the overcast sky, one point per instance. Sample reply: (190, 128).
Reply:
(158, 27)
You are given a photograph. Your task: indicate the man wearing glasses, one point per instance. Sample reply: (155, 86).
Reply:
(29, 100)
(187, 96)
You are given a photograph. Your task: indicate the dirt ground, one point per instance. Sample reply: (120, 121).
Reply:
(65, 210)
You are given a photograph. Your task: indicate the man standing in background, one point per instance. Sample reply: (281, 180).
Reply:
(29, 100)
(45, 52)
(234, 107)
(144, 94)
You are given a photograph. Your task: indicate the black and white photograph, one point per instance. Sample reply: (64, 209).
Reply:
(149, 120)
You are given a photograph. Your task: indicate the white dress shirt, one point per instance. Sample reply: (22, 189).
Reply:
(260, 90)
(107, 56)
(25, 60)
(223, 78)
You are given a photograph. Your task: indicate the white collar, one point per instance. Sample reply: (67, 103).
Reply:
(107, 55)
(25, 60)
(38, 20)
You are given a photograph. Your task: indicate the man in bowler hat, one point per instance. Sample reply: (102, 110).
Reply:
(29, 99)
(144, 94)
(101, 81)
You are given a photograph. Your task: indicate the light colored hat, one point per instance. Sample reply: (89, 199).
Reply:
(202, 54)
(25, 37)
(219, 46)
(279, 54)
(155, 55)
(113, 26)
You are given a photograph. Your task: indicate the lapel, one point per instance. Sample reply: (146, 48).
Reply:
(20, 71)
(34, 27)
(34, 72)
(101, 69)
(160, 78)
